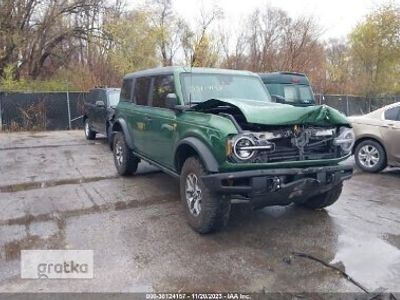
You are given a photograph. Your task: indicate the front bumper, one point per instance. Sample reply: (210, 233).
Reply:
(278, 186)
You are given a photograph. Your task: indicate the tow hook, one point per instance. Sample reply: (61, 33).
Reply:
(275, 184)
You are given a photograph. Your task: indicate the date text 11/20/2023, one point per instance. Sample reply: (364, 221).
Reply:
(198, 296)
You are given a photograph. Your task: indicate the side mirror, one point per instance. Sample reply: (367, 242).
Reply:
(278, 99)
(171, 101)
(100, 103)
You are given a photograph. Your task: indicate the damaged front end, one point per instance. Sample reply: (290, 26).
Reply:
(273, 133)
(290, 143)
(281, 154)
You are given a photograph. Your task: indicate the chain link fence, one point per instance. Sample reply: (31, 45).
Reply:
(64, 110)
(352, 105)
(41, 110)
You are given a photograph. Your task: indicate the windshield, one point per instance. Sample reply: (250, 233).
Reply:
(113, 97)
(293, 93)
(202, 87)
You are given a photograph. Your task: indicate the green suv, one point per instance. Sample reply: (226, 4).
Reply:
(220, 133)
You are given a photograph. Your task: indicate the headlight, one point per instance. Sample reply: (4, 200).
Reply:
(345, 139)
(243, 148)
(246, 146)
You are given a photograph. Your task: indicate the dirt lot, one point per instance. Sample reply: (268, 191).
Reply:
(59, 191)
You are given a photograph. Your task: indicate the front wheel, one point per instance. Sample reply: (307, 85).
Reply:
(125, 161)
(323, 200)
(89, 133)
(205, 211)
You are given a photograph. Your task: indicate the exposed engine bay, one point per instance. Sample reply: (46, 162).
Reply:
(259, 143)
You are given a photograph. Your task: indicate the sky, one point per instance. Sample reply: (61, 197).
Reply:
(336, 17)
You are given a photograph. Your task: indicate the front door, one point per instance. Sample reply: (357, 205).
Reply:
(100, 112)
(161, 122)
(391, 131)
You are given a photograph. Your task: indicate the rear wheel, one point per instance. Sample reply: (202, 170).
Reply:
(205, 211)
(89, 133)
(370, 156)
(325, 199)
(125, 161)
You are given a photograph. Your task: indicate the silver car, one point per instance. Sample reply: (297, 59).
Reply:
(377, 138)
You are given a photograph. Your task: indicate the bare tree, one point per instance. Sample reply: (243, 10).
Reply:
(36, 34)
(169, 27)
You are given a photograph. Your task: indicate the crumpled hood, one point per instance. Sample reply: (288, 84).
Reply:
(270, 113)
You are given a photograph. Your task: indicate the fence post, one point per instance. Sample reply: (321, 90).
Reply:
(69, 111)
(369, 104)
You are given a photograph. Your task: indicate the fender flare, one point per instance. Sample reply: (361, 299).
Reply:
(204, 153)
(122, 124)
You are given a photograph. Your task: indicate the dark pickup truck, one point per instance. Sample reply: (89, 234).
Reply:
(99, 111)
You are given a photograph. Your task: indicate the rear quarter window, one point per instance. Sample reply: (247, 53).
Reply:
(393, 114)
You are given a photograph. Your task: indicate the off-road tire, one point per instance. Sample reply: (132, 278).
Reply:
(324, 200)
(128, 164)
(380, 165)
(89, 133)
(215, 209)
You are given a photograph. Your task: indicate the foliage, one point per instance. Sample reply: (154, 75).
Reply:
(375, 51)
(38, 37)
(45, 44)
(204, 54)
(133, 42)
(8, 83)
(272, 41)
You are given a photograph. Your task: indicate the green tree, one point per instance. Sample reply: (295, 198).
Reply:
(338, 67)
(375, 51)
(133, 42)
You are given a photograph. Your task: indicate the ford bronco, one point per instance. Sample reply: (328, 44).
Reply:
(220, 133)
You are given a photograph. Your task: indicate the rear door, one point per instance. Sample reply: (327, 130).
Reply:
(138, 115)
(391, 131)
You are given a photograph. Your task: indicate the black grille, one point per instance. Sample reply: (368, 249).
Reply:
(285, 151)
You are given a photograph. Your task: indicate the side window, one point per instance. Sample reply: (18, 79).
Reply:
(163, 85)
(393, 114)
(290, 93)
(142, 88)
(102, 96)
(95, 96)
(126, 90)
(91, 97)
